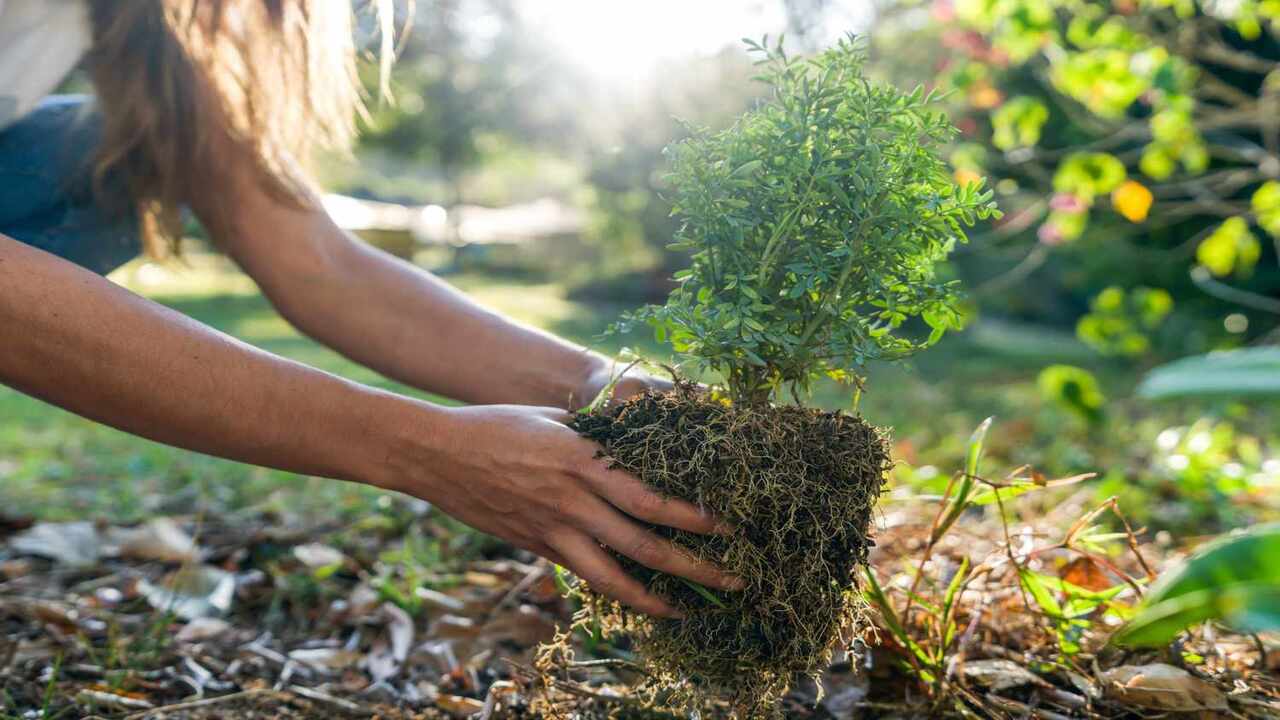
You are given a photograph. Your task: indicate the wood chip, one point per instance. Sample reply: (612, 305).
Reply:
(1162, 687)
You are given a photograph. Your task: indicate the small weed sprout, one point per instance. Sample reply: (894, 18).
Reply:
(815, 224)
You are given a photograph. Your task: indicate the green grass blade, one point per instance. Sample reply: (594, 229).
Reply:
(705, 593)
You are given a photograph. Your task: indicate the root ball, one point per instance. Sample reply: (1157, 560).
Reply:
(799, 485)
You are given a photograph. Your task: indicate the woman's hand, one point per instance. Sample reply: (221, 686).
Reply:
(632, 383)
(520, 473)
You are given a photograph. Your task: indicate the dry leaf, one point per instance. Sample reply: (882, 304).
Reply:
(194, 592)
(1162, 687)
(842, 693)
(400, 629)
(436, 600)
(327, 658)
(997, 675)
(69, 543)
(482, 579)
(389, 652)
(112, 698)
(14, 569)
(1086, 573)
(318, 555)
(526, 626)
(159, 539)
(458, 706)
(201, 629)
(363, 600)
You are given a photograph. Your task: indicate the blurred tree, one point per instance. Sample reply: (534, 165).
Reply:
(626, 168)
(470, 82)
(1136, 144)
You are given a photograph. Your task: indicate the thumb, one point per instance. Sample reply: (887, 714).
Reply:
(558, 415)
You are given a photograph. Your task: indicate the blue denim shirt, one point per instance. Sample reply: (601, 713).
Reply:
(45, 195)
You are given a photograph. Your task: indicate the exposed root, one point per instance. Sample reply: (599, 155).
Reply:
(799, 485)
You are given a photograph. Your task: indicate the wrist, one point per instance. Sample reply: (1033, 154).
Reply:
(400, 439)
(587, 380)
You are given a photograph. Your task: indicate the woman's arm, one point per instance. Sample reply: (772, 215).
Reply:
(395, 318)
(84, 344)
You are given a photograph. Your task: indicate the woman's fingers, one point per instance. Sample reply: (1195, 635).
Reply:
(629, 538)
(627, 493)
(591, 563)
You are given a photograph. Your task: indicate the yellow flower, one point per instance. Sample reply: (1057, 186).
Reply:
(965, 176)
(984, 97)
(1132, 200)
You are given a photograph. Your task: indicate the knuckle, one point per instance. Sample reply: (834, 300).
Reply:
(562, 502)
(607, 586)
(646, 505)
(588, 466)
(648, 551)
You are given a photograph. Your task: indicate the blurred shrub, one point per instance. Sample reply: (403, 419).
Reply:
(1073, 388)
(1203, 477)
(1131, 141)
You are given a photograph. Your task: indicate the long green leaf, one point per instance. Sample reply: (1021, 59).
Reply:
(961, 499)
(1251, 556)
(705, 593)
(1247, 607)
(1235, 579)
(1034, 584)
(1251, 373)
(876, 595)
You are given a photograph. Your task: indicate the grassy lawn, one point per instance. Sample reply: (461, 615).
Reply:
(54, 465)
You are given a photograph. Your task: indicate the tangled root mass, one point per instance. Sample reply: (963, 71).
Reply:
(799, 485)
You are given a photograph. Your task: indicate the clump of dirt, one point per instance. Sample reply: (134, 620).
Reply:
(799, 485)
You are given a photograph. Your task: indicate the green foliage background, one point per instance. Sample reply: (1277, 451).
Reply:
(1133, 145)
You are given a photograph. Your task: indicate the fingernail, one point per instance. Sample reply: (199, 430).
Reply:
(735, 583)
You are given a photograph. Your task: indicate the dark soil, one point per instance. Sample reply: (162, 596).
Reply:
(799, 485)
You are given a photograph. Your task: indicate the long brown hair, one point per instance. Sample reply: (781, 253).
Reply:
(176, 79)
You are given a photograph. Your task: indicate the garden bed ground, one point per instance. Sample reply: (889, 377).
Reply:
(320, 621)
(94, 617)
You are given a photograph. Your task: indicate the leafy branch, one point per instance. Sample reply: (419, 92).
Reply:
(814, 223)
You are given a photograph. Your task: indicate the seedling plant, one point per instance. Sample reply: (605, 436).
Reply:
(815, 227)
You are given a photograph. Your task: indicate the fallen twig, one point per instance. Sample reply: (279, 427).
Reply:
(205, 702)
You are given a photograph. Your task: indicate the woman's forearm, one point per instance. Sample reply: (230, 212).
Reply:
(397, 319)
(84, 344)
(77, 341)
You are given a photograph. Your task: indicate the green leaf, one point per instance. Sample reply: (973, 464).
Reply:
(1073, 388)
(1249, 373)
(991, 496)
(705, 593)
(1235, 579)
(953, 588)
(1266, 206)
(824, 205)
(1034, 584)
(961, 499)
(1247, 607)
(976, 443)
(1017, 123)
(875, 594)
(748, 168)
(1232, 247)
(1087, 175)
